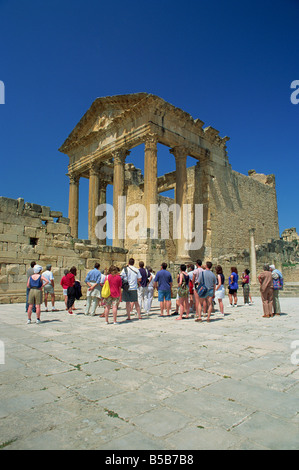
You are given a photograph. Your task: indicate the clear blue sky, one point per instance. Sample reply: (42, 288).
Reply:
(228, 63)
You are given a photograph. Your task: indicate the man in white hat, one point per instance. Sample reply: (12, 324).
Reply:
(49, 288)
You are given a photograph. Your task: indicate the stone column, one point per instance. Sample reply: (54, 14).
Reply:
(253, 274)
(102, 201)
(74, 204)
(150, 196)
(119, 158)
(180, 153)
(93, 201)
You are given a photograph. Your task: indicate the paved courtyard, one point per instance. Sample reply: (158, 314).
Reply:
(73, 382)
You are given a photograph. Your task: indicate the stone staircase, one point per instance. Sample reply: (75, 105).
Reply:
(291, 289)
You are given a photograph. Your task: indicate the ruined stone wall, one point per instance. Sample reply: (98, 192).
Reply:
(235, 203)
(30, 232)
(284, 255)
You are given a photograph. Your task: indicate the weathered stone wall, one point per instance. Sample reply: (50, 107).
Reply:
(234, 204)
(30, 232)
(284, 255)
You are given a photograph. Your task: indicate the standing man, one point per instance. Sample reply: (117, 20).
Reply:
(163, 282)
(49, 288)
(94, 280)
(130, 296)
(266, 287)
(277, 286)
(196, 274)
(143, 288)
(207, 278)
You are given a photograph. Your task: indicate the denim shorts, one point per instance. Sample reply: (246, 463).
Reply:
(164, 294)
(210, 293)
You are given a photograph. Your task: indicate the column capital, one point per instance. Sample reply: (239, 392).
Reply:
(179, 151)
(74, 178)
(151, 141)
(119, 156)
(93, 168)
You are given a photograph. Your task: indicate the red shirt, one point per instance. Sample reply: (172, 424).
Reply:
(68, 281)
(115, 283)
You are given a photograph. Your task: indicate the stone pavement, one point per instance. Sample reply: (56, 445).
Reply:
(73, 382)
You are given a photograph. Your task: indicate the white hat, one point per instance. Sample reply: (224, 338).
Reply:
(272, 266)
(37, 269)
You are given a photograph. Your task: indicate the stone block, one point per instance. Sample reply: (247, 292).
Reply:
(3, 279)
(47, 259)
(63, 220)
(56, 214)
(8, 237)
(58, 228)
(12, 269)
(46, 211)
(23, 239)
(8, 205)
(14, 229)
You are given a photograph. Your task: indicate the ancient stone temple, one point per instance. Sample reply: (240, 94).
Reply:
(232, 205)
(229, 219)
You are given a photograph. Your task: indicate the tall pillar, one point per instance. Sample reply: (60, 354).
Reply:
(74, 204)
(180, 153)
(119, 158)
(93, 201)
(150, 197)
(102, 201)
(253, 274)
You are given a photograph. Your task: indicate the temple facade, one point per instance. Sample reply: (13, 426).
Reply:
(226, 211)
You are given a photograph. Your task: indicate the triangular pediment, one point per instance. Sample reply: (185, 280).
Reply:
(101, 114)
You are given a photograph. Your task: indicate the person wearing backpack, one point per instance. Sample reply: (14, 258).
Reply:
(115, 283)
(277, 286)
(142, 290)
(35, 284)
(130, 296)
(183, 292)
(208, 280)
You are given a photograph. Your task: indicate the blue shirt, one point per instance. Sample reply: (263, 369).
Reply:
(233, 284)
(163, 278)
(144, 277)
(95, 276)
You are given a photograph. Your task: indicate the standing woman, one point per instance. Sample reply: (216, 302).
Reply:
(233, 287)
(64, 286)
(115, 283)
(246, 288)
(220, 291)
(150, 287)
(35, 284)
(71, 291)
(183, 292)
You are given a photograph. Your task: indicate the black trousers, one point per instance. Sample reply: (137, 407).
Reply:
(71, 296)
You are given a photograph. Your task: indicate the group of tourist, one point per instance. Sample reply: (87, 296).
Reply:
(198, 290)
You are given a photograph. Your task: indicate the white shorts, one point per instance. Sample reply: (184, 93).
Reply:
(220, 293)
